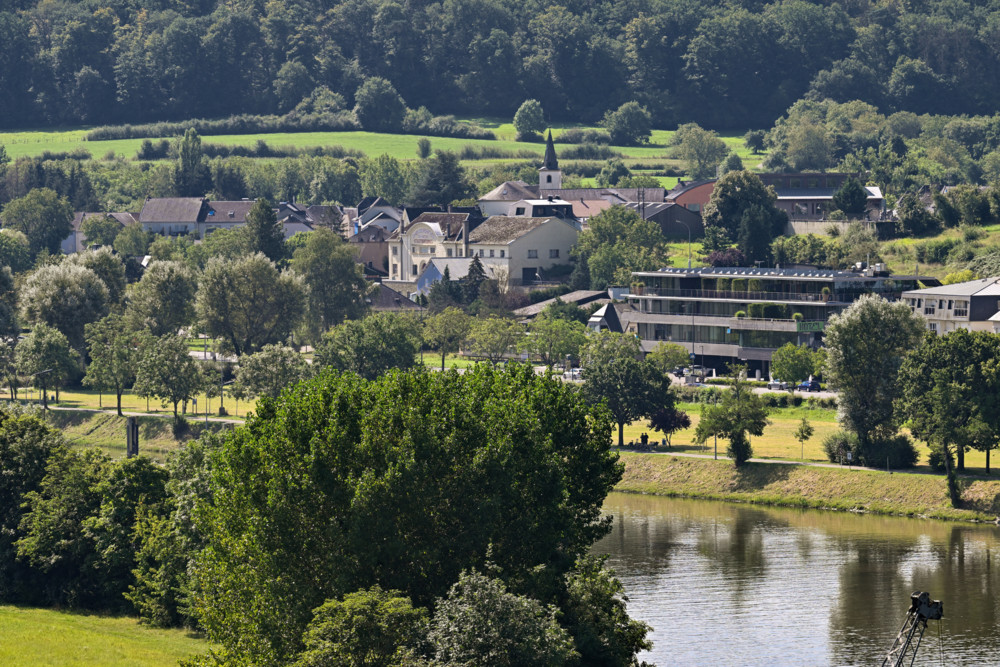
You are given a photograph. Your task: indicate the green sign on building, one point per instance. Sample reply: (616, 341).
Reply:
(810, 325)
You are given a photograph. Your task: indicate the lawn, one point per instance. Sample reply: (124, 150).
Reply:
(31, 637)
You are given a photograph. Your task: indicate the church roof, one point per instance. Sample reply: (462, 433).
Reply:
(550, 163)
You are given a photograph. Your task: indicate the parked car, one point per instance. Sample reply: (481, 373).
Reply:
(809, 385)
(679, 371)
(698, 371)
(573, 374)
(780, 385)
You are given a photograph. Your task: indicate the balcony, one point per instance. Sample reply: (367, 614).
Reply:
(836, 297)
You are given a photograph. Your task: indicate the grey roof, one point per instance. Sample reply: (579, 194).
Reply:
(228, 211)
(745, 272)
(683, 187)
(609, 314)
(389, 299)
(550, 162)
(983, 287)
(578, 297)
(458, 267)
(504, 229)
(819, 193)
(511, 191)
(651, 208)
(172, 209)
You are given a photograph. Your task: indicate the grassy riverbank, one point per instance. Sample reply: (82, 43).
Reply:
(908, 494)
(52, 637)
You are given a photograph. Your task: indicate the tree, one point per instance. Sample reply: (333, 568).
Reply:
(740, 199)
(270, 371)
(808, 147)
(114, 355)
(949, 392)
(133, 240)
(26, 444)
(14, 251)
(166, 371)
(613, 171)
(336, 281)
(492, 338)
(617, 243)
(440, 181)
(754, 140)
(865, 347)
(368, 628)
(247, 303)
(553, 339)
(43, 216)
(629, 124)
(668, 356)
(191, 176)
(100, 229)
(384, 176)
(163, 300)
(793, 363)
(629, 387)
(446, 330)
(45, 355)
(109, 268)
(378, 106)
(9, 327)
(803, 433)
(480, 622)
(64, 296)
(740, 414)
(731, 163)
(914, 219)
(372, 346)
(516, 459)
(263, 232)
(529, 121)
(851, 198)
(702, 150)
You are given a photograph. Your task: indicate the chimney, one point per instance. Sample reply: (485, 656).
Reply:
(465, 237)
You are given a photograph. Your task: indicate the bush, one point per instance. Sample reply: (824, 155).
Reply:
(836, 445)
(741, 313)
(935, 252)
(936, 458)
(578, 136)
(898, 451)
(739, 284)
(589, 151)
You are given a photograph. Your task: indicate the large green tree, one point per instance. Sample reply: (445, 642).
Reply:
(371, 346)
(440, 181)
(446, 330)
(163, 300)
(865, 346)
(66, 297)
(191, 175)
(270, 371)
(46, 357)
(247, 303)
(951, 392)
(616, 376)
(702, 150)
(425, 474)
(742, 209)
(43, 216)
(114, 355)
(336, 281)
(793, 363)
(263, 233)
(493, 338)
(618, 242)
(552, 339)
(529, 121)
(166, 371)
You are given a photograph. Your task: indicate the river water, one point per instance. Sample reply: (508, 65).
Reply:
(730, 584)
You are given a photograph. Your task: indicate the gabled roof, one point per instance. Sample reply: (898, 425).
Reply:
(228, 211)
(683, 187)
(80, 216)
(389, 299)
(550, 162)
(458, 267)
(578, 297)
(588, 208)
(983, 287)
(503, 229)
(608, 316)
(369, 202)
(511, 191)
(172, 209)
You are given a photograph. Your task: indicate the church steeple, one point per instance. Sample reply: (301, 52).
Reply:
(549, 175)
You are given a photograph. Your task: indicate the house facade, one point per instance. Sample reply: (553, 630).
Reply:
(973, 305)
(727, 315)
(523, 248)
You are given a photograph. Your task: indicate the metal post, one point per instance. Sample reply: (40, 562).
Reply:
(131, 437)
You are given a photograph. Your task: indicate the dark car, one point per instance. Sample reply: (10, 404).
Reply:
(809, 385)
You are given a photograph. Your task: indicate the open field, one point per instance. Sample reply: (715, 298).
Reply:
(30, 637)
(89, 399)
(910, 494)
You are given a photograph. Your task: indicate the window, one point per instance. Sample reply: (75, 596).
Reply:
(932, 326)
(395, 251)
(395, 269)
(961, 309)
(459, 252)
(532, 254)
(481, 252)
(554, 253)
(491, 252)
(501, 253)
(929, 308)
(548, 179)
(414, 269)
(448, 252)
(519, 210)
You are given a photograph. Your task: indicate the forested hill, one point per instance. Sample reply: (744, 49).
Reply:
(729, 65)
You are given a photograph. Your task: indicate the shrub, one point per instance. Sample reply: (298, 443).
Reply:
(935, 251)
(741, 313)
(578, 136)
(755, 285)
(898, 451)
(588, 151)
(837, 444)
(727, 257)
(724, 284)
(936, 457)
(739, 284)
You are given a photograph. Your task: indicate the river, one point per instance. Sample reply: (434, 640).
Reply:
(731, 584)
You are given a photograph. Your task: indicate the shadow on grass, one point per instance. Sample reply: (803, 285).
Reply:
(756, 476)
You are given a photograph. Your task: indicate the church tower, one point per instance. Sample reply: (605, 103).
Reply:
(549, 175)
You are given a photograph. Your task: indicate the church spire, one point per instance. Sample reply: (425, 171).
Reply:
(550, 163)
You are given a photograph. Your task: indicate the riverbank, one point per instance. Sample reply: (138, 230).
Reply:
(854, 490)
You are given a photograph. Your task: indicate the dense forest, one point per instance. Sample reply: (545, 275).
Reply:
(731, 64)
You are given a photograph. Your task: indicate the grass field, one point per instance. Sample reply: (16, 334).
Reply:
(401, 146)
(31, 637)
(911, 494)
(89, 399)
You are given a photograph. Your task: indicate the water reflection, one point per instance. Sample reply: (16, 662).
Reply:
(726, 584)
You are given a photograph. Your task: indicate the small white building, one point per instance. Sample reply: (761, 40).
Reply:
(973, 305)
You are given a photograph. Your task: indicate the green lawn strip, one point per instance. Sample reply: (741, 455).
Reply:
(30, 637)
(89, 399)
(807, 486)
